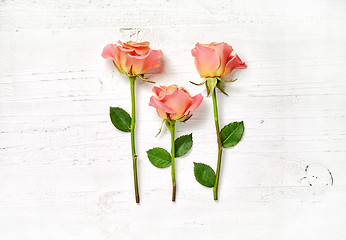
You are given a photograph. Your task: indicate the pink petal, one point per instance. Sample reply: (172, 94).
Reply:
(108, 52)
(141, 64)
(156, 91)
(139, 48)
(136, 44)
(232, 64)
(158, 104)
(242, 65)
(162, 114)
(121, 59)
(127, 50)
(207, 60)
(179, 101)
(158, 53)
(197, 101)
(224, 51)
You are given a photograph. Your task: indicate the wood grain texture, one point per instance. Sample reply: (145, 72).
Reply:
(66, 173)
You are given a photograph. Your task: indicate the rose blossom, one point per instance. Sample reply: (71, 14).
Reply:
(173, 102)
(134, 58)
(215, 59)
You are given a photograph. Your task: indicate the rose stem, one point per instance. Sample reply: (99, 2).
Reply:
(216, 119)
(172, 130)
(133, 122)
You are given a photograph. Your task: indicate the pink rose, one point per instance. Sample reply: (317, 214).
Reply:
(173, 102)
(133, 58)
(215, 59)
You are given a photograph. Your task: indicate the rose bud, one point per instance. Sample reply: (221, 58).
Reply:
(132, 58)
(215, 60)
(173, 102)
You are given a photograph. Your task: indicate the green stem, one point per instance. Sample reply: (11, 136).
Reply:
(171, 128)
(133, 123)
(219, 144)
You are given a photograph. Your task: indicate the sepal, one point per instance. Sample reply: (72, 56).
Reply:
(220, 87)
(185, 118)
(198, 84)
(141, 76)
(231, 80)
(210, 84)
(119, 69)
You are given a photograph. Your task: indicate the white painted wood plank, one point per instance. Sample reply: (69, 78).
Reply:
(65, 175)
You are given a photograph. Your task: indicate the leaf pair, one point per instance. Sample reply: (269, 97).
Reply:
(160, 158)
(230, 135)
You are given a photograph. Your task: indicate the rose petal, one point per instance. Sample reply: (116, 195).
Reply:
(162, 114)
(179, 101)
(121, 59)
(197, 101)
(127, 50)
(207, 60)
(142, 50)
(141, 64)
(139, 48)
(158, 104)
(108, 52)
(156, 91)
(166, 91)
(158, 53)
(242, 65)
(224, 51)
(136, 44)
(232, 64)
(170, 89)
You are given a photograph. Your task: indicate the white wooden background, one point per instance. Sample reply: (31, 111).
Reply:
(66, 173)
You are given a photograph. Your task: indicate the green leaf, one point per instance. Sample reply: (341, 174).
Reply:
(231, 134)
(182, 145)
(159, 157)
(204, 174)
(120, 119)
